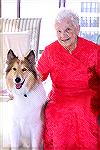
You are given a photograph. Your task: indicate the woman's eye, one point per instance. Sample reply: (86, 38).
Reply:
(58, 31)
(14, 69)
(68, 29)
(24, 69)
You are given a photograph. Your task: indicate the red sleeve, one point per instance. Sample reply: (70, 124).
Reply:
(43, 65)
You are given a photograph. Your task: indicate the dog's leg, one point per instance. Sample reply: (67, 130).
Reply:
(36, 137)
(15, 138)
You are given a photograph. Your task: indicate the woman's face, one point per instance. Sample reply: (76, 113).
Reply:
(67, 33)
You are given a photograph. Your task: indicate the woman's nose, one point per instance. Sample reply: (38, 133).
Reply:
(63, 34)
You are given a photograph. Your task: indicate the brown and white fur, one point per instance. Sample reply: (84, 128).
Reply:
(23, 121)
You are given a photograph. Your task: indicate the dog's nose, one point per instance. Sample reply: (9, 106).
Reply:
(17, 80)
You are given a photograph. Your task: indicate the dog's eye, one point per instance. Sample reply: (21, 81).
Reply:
(24, 69)
(14, 69)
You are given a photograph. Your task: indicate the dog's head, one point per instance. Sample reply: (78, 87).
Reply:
(20, 74)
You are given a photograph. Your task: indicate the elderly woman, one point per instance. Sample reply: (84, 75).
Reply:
(73, 106)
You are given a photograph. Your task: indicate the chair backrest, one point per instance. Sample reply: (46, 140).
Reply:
(24, 24)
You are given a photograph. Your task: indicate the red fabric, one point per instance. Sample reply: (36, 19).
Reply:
(69, 121)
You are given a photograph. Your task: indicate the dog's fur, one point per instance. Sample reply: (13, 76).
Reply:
(24, 126)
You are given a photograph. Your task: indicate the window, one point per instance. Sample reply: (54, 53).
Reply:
(94, 21)
(90, 35)
(89, 7)
(89, 21)
(93, 7)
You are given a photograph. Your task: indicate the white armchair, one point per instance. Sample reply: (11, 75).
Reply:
(24, 24)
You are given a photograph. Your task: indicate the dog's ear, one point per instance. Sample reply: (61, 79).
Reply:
(10, 55)
(31, 57)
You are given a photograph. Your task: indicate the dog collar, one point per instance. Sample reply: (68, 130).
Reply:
(25, 95)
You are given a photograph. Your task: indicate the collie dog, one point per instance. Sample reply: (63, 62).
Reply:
(23, 126)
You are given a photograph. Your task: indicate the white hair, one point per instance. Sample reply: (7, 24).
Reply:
(67, 14)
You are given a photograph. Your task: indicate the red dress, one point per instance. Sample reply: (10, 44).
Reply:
(70, 123)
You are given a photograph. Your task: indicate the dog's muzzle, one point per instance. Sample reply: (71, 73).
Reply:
(18, 82)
